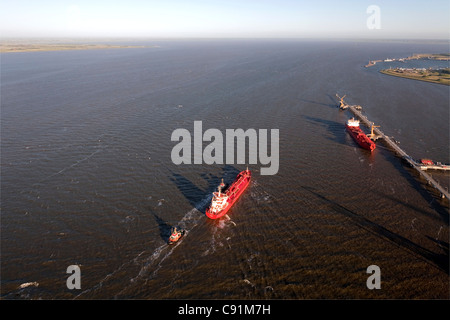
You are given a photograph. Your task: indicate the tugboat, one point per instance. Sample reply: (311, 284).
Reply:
(358, 135)
(176, 235)
(223, 201)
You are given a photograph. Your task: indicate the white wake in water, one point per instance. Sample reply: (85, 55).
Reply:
(152, 263)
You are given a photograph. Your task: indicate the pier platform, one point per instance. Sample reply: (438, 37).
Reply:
(420, 168)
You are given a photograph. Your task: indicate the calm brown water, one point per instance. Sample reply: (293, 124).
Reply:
(87, 177)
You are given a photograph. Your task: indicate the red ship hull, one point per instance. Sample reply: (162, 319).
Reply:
(360, 137)
(233, 192)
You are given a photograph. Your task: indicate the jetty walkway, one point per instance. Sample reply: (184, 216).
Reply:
(400, 152)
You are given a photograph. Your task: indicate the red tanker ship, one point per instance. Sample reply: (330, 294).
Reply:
(223, 201)
(359, 136)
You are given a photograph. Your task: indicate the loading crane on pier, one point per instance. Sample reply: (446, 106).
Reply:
(372, 135)
(342, 104)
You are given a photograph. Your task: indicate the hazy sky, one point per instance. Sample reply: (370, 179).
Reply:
(232, 18)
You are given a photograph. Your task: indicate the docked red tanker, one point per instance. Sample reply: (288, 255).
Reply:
(223, 201)
(359, 136)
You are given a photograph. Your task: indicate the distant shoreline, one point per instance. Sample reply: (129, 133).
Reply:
(427, 75)
(415, 56)
(39, 47)
(432, 56)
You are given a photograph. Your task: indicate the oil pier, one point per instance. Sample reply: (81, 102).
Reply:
(376, 133)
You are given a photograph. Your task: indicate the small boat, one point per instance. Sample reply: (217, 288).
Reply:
(176, 235)
(426, 162)
(223, 200)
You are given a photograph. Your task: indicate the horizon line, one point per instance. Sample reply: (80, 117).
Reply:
(3, 38)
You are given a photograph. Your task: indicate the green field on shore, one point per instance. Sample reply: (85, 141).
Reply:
(441, 76)
(432, 56)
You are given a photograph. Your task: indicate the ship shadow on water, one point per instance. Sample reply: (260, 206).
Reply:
(165, 229)
(196, 195)
(332, 104)
(440, 260)
(335, 128)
